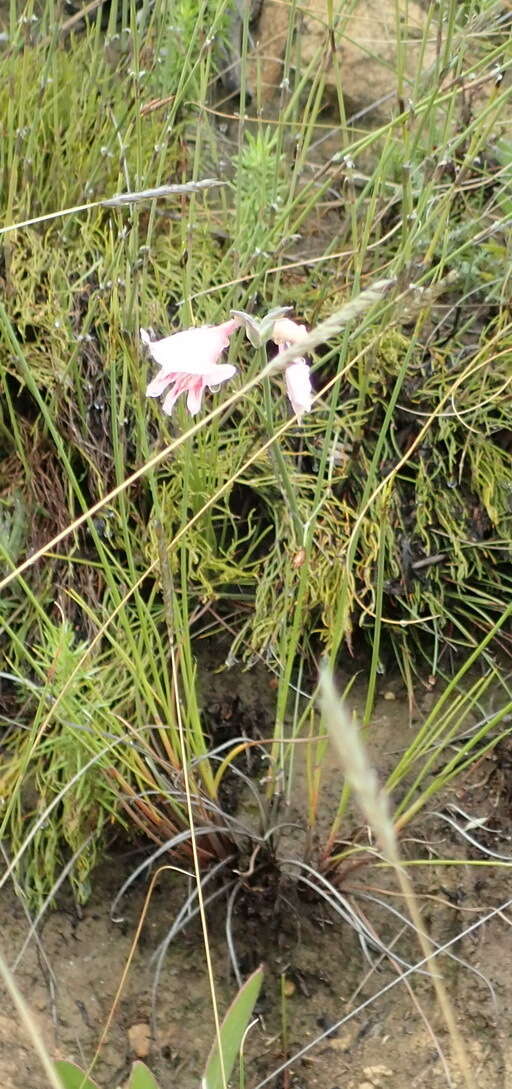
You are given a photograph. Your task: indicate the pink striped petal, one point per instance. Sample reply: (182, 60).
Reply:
(159, 384)
(179, 386)
(195, 395)
(298, 387)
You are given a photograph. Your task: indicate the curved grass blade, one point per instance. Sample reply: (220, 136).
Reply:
(72, 1077)
(232, 1033)
(141, 1077)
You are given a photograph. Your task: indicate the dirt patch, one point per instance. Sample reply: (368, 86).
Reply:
(317, 969)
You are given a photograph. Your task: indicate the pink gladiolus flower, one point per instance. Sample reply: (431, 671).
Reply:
(188, 363)
(297, 377)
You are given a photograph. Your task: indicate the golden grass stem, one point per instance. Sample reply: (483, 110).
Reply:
(373, 801)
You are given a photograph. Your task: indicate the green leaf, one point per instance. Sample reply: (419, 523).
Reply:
(141, 1077)
(72, 1077)
(259, 330)
(232, 1032)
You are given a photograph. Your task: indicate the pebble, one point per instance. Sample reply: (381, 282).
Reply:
(139, 1036)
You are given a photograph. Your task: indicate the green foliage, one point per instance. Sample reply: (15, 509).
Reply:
(72, 1077)
(192, 36)
(262, 179)
(64, 765)
(218, 1071)
(141, 1077)
(383, 522)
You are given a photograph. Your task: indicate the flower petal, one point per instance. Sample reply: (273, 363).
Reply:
(192, 351)
(227, 328)
(195, 395)
(298, 387)
(221, 373)
(179, 386)
(159, 383)
(188, 362)
(287, 332)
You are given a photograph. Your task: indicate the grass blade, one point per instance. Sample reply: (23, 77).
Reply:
(232, 1032)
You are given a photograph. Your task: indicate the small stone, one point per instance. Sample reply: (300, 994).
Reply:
(139, 1036)
(389, 695)
(376, 1074)
(338, 1044)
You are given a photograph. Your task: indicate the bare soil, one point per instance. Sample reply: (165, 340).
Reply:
(316, 970)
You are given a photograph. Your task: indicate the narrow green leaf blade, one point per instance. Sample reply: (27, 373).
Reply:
(232, 1032)
(72, 1077)
(141, 1077)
